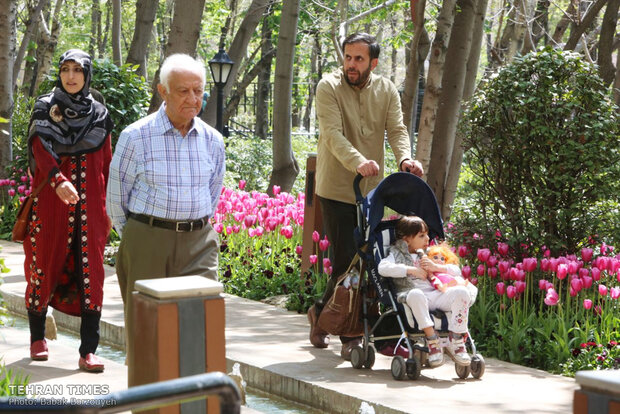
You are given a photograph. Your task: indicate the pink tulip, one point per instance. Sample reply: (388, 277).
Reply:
(483, 255)
(462, 251)
(327, 262)
(587, 282)
(276, 190)
(259, 231)
(323, 244)
(520, 286)
(603, 245)
(316, 236)
(328, 270)
(218, 227)
(572, 268)
(251, 232)
(466, 272)
(583, 272)
(553, 264)
(249, 220)
(11, 192)
(552, 298)
(544, 265)
(562, 271)
(492, 272)
(313, 259)
(576, 284)
(502, 248)
(586, 254)
(602, 290)
(480, 270)
(614, 292)
(572, 292)
(23, 178)
(530, 264)
(298, 250)
(492, 261)
(21, 199)
(511, 292)
(474, 281)
(587, 304)
(229, 229)
(503, 266)
(598, 310)
(500, 288)
(242, 184)
(542, 284)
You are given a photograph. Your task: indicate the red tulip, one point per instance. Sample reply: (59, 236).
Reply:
(587, 304)
(502, 248)
(562, 271)
(323, 244)
(552, 298)
(316, 236)
(586, 254)
(483, 255)
(511, 292)
(500, 288)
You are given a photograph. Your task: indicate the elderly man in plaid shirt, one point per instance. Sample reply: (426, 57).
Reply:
(165, 181)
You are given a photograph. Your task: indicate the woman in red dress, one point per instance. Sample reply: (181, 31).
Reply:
(69, 147)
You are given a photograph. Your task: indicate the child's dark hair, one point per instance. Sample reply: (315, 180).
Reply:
(409, 226)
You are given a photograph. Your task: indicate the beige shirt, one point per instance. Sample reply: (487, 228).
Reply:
(352, 126)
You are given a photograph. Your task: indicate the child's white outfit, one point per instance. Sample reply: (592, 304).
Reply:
(422, 296)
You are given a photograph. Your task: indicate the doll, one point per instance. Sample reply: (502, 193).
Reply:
(441, 254)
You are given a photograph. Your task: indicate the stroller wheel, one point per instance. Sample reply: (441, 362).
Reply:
(370, 357)
(462, 370)
(399, 368)
(357, 357)
(477, 366)
(414, 368)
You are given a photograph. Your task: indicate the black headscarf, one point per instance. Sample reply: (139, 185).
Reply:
(69, 124)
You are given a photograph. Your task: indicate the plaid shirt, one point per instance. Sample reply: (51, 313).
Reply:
(158, 172)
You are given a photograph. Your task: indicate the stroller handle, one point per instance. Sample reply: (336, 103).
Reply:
(356, 187)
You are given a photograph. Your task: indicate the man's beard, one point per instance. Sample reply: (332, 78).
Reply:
(361, 77)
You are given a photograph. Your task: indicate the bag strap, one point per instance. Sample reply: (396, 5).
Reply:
(37, 190)
(356, 259)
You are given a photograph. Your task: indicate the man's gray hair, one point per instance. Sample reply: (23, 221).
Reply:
(180, 62)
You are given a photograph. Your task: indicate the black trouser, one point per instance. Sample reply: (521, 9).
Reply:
(89, 330)
(339, 222)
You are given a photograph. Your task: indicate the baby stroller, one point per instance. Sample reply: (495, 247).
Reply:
(395, 328)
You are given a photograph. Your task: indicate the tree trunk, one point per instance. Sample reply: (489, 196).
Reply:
(565, 21)
(48, 47)
(540, 25)
(146, 10)
(8, 12)
(116, 33)
(606, 42)
(452, 85)
(285, 167)
(617, 88)
(584, 24)
(263, 89)
(432, 92)
(415, 63)
(315, 55)
(30, 68)
(31, 24)
(183, 37)
(454, 171)
(95, 23)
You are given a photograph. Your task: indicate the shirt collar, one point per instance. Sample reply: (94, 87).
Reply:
(162, 121)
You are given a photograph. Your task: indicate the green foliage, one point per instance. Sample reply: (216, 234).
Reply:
(10, 378)
(543, 146)
(126, 94)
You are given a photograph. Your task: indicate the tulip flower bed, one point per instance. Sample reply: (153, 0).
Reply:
(561, 314)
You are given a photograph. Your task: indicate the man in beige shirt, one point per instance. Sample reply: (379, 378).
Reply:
(355, 109)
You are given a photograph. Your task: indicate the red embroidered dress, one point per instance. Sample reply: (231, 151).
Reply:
(65, 243)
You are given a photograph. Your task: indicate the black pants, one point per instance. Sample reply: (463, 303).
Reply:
(89, 330)
(339, 222)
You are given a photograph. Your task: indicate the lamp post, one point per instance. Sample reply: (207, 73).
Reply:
(220, 66)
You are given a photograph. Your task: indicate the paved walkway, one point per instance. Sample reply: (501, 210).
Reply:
(272, 348)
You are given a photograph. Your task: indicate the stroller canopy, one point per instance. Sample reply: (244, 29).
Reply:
(405, 194)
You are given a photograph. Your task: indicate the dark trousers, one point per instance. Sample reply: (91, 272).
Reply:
(89, 331)
(339, 222)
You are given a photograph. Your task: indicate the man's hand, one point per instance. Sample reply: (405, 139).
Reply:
(368, 168)
(67, 193)
(412, 166)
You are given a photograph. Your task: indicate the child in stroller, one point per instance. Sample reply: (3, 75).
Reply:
(395, 328)
(412, 275)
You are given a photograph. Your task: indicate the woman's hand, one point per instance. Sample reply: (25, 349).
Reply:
(67, 193)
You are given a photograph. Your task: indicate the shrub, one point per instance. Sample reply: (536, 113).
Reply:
(543, 147)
